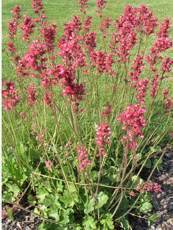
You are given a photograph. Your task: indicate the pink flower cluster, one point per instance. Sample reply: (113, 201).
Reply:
(168, 100)
(67, 79)
(140, 85)
(72, 28)
(154, 86)
(72, 53)
(27, 27)
(83, 5)
(107, 111)
(162, 43)
(125, 35)
(164, 29)
(13, 24)
(83, 160)
(167, 63)
(133, 122)
(34, 59)
(105, 24)
(9, 96)
(141, 89)
(90, 40)
(137, 68)
(87, 24)
(69, 45)
(149, 187)
(103, 133)
(133, 20)
(11, 47)
(48, 165)
(102, 61)
(74, 90)
(147, 21)
(48, 98)
(16, 12)
(37, 6)
(49, 34)
(100, 4)
(12, 28)
(32, 94)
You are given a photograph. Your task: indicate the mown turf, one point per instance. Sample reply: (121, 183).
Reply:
(61, 11)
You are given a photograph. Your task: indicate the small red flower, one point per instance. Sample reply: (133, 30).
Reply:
(103, 133)
(12, 28)
(155, 85)
(133, 122)
(9, 96)
(16, 12)
(32, 94)
(27, 27)
(83, 161)
(37, 6)
(49, 165)
(149, 187)
(167, 63)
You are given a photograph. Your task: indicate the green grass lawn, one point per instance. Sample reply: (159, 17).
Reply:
(60, 11)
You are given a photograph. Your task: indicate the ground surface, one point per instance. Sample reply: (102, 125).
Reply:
(163, 202)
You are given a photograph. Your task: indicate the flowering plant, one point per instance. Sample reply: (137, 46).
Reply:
(89, 113)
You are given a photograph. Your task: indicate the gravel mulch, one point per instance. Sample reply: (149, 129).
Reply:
(163, 202)
(23, 220)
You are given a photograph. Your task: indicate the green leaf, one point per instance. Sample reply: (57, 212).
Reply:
(158, 162)
(10, 213)
(148, 164)
(101, 200)
(48, 226)
(136, 180)
(65, 217)
(8, 197)
(72, 188)
(153, 218)
(154, 149)
(78, 227)
(89, 206)
(146, 207)
(107, 222)
(70, 196)
(59, 186)
(89, 223)
(42, 226)
(54, 214)
(125, 224)
(41, 194)
(68, 199)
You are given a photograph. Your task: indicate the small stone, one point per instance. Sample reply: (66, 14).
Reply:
(165, 206)
(27, 218)
(159, 228)
(169, 155)
(170, 221)
(170, 206)
(159, 195)
(170, 181)
(163, 177)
